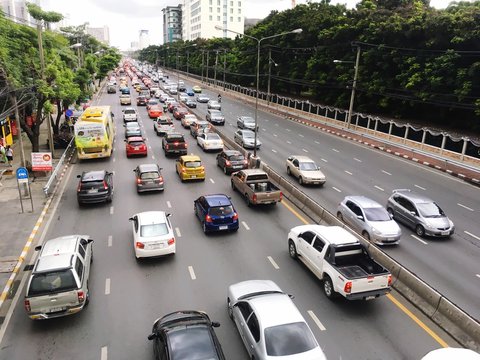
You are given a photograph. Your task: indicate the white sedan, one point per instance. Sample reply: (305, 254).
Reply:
(187, 120)
(210, 141)
(152, 234)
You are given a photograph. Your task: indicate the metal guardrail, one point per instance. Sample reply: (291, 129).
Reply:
(53, 176)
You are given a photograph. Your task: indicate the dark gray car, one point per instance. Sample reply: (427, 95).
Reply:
(148, 177)
(95, 187)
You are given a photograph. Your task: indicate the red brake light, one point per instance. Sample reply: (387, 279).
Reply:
(254, 198)
(139, 245)
(105, 186)
(175, 143)
(79, 187)
(171, 241)
(235, 216)
(390, 280)
(208, 218)
(139, 181)
(27, 305)
(245, 161)
(281, 196)
(185, 145)
(81, 296)
(348, 287)
(228, 163)
(160, 179)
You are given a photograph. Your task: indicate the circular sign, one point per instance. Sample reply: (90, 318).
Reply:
(46, 157)
(22, 173)
(69, 112)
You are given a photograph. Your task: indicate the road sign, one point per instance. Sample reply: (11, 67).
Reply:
(41, 161)
(69, 112)
(22, 173)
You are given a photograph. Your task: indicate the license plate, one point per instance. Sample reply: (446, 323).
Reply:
(237, 166)
(156, 246)
(370, 298)
(194, 176)
(445, 232)
(92, 191)
(223, 227)
(136, 148)
(55, 309)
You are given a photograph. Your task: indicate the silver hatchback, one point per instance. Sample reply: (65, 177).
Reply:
(370, 219)
(419, 213)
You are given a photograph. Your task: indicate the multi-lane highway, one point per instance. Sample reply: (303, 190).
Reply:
(128, 295)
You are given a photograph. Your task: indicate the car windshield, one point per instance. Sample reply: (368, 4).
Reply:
(193, 164)
(129, 111)
(153, 230)
(221, 210)
(376, 214)
(175, 139)
(430, 210)
(210, 136)
(149, 175)
(289, 339)
(308, 166)
(236, 158)
(248, 120)
(135, 143)
(248, 135)
(132, 125)
(191, 343)
(55, 281)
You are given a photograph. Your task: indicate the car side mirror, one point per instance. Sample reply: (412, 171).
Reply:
(90, 241)
(360, 217)
(152, 336)
(215, 324)
(125, 140)
(291, 296)
(130, 219)
(168, 215)
(38, 248)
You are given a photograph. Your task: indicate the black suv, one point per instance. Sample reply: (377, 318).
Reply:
(95, 187)
(174, 143)
(231, 160)
(141, 100)
(186, 335)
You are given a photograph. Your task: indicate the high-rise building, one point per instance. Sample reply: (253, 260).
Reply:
(102, 34)
(16, 10)
(143, 39)
(172, 23)
(199, 18)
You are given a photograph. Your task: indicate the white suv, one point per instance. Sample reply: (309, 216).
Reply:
(129, 114)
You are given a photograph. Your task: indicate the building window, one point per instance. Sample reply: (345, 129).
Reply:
(239, 11)
(239, 4)
(210, 17)
(210, 9)
(231, 3)
(210, 2)
(218, 2)
(231, 11)
(218, 9)
(218, 18)
(231, 18)
(239, 19)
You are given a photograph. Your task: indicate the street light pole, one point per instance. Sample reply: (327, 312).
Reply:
(270, 61)
(224, 66)
(215, 69)
(203, 62)
(206, 80)
(352, 96)
(259, 41)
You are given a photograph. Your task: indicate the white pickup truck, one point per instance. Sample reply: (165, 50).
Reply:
(340, 260)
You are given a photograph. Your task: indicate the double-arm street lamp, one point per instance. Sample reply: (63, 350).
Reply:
(259, 41)
(354, 85)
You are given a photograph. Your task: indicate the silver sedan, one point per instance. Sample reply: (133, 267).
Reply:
(246, 138)
(269, 323)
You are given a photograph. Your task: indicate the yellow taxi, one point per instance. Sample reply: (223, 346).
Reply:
(197, 89)
(138, 87)
(190, 167)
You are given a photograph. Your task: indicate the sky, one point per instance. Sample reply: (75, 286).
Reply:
(125, 18)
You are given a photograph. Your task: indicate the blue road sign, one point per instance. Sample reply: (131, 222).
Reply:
(22, 173)
(69, 112)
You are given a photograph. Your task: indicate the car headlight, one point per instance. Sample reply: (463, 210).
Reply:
(376, 231)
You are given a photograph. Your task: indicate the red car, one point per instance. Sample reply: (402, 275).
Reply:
(155, 111)
(179, 112)
(135, 145)
(172, 106)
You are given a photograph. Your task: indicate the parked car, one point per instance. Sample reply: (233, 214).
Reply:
(201, 98)
(190, 167)
(132, 128)
(135, 145)
(210, 141)
(231, 160)
(174, 143)
(185, 335)
(270, 324)
(94, 187)
(305, 170)
(148, 177)
(213, 104)
(370, 219)
(125, 99)
(58, 284)
(246, 122)
(152, 234)
(163, 125)
(419, 213)
(216, 213)
(187, 120)
(246, 138)
(215, 117)
(129, 114)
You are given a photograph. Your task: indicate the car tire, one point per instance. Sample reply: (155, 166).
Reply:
(87, 298)
(204, 227)
(328, 288)
(292, 250)
(229, 309)
(300, 180)
(390, 212)
(233, 186)
(340, 216)
(420, 230)
(247, 200)
(289, 171)
(366, 235)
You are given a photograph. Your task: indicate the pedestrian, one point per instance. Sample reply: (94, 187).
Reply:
(9, 155)
(3, 157)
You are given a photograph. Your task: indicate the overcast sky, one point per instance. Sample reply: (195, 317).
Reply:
(125, 18)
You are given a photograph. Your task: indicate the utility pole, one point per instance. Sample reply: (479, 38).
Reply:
(19, 128)
(352, 97)
(206, 80)
(269, 74)
(224, 66)
(215, 69)
(203, 62)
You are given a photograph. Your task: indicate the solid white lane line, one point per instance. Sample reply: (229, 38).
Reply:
(305, 150)
(336, 150)
(465, 207)
(474, 236)
(348, 172)
(107, 286)
(109, 242)
(104, 353)
(153, 157)
(275, 135)
(212, 181)
(358, 160)
(274, 264)
(420, 187)
(273, 150)
(417, 238)
(379, 188)
(337, 190)
(301, 135)
(288, 130)
(245, 225)
(111, 210)
(316, 320)
(276, 124)
(177, 230)
(192, 273)
(324, 160)
(169, 205)
(386, 172)
(113, 159)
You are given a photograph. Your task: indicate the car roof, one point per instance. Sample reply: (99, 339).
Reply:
(130, 109)
(363, 201)
(148, 167)
(96, 175)
(414, 197)
(174, 135)
(245, 131)
(57, 253)
(334, 234)
(275, 309)
(190, 158)
(302, 158)
(232, 152)
(135, 138)
(151, 217)
(217, 200)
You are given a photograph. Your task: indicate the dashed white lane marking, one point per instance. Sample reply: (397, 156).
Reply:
(317, 142)
(474, 236)
(337, 190)
(336, 150)
(420, 187)
(109, 241)
(465, 207)
(386, 172)
(212, 181)
(316, 320)
(379, 188)
(324, 160)
(275, 135)
(348, 172)
(245, 225)
(288, 130)
(357, 160)
(192, 273)
(417, 238)
(273, 150)
(301, 135)
(305, 150)
(104, 353)
(177, 230)
(114, 159)
(289, 142)
(477, 275)
(274, 264)
(111, 210)
(107, 286)
(169, 205)
(153, 157)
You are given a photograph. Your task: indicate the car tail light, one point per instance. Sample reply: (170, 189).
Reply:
(81, 296)
(171, 241)
(139, 245)
(175, 143)
(185, 145)
(281, 196)
(245, 162)
(254, 198)
(27, 305)
(228, 163)
(167, 146)
(139, 181)
(390, 280)
(79, 187)
(105, 185)
(235, 216)
(208, 218)
(159, 180)
(348, 287)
